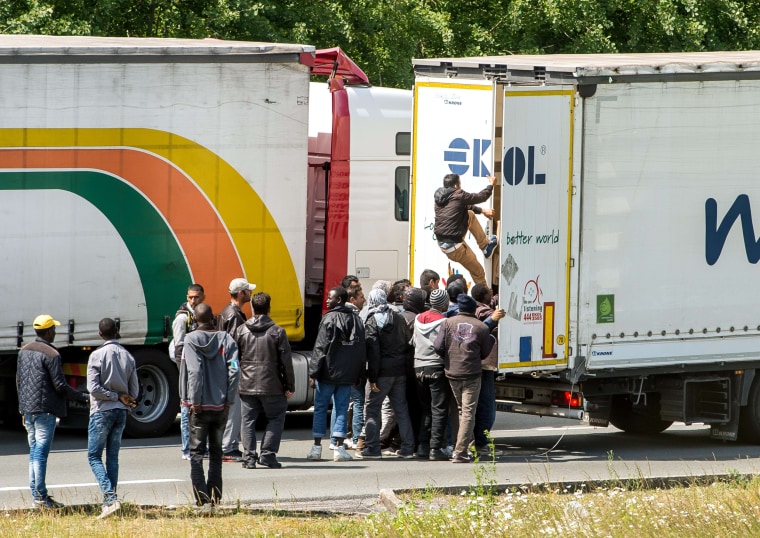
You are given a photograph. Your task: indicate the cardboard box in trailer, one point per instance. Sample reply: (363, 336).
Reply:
(131, 168)
(628, 243)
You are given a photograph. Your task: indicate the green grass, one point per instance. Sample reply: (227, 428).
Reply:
(728, 507)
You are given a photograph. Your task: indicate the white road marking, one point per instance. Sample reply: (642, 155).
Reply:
(90, 484)
(63, 451)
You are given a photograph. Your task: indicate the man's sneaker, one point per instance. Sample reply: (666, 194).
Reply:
(345, 445)
(232, 455)
(207, 509)
(360, 444)
(490, 246)
(364, 455)
(316, 453)
(186, 456)
(436, 454)
(340, 454)
(389, 452)
(109, 509)
(460, 459)
(404, 455)
(47, 502)
(270, 462)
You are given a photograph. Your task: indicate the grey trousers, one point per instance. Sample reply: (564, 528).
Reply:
(274, 408)
(465, 393)
(395, 388)
(231, 437)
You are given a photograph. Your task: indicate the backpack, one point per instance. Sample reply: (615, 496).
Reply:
(191, 324)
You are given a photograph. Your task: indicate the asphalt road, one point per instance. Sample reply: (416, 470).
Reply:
(536, 451)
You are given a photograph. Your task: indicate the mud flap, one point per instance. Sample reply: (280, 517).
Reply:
(730, 430)
(598, 411)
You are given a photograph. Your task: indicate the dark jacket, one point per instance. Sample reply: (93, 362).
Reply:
(414, 303)
(483, 312)
(451, 206)
(463, 342)
(340, 349)
(230, 318)
(388, 349)
(40, 382)
(266, 363)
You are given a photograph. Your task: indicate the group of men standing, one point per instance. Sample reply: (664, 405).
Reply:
(416, 352)
(413, 353)
(232, 370)
(426, 342)
(42, 392)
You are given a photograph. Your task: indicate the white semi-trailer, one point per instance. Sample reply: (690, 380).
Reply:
(628, 243)
(131, 168)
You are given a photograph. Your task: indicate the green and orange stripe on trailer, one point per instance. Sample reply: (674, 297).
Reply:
(184, 213)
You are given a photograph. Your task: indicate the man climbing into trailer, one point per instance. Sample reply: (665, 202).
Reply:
(455, 212)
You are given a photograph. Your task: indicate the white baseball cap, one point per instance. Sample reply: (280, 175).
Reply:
(239, 284)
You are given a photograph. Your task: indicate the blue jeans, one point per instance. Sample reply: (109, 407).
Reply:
(40, 429)
(207, 427)
(184, 429)
(105, 430)
(357, 418)
(485, 414)
(322, 395)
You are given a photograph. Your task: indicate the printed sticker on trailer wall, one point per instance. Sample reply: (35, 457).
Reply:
(605, 309)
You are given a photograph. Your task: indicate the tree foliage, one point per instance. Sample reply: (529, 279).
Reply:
(383, 36)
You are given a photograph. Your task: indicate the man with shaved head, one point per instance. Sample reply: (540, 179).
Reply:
(113, 387)
(208, 386)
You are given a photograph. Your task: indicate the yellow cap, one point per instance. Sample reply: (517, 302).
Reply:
(44, 321)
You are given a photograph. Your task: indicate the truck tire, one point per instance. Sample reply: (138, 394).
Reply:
(639, 419)
(749, 416)
(158, 402)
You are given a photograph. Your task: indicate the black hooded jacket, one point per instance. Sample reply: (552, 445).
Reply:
(451, 206)
(388, 347)
(340, 351)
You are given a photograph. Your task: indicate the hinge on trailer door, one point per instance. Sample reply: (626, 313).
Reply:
(572, 262)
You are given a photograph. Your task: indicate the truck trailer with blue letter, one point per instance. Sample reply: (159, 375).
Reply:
(628, 251)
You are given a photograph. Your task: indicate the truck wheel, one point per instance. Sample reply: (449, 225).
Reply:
(749, 416)
(639, 419)
(158, 401)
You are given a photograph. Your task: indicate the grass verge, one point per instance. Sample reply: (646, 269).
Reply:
(725, 507)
